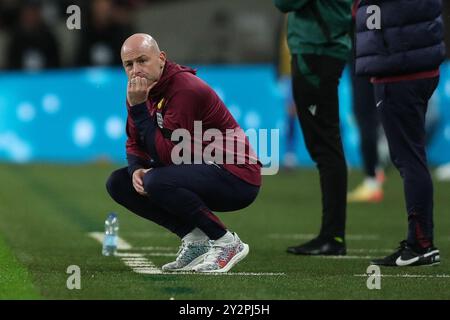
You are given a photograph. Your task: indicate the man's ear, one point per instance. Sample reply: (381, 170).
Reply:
(162, 58)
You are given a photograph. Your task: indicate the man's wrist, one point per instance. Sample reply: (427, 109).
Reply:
(133, 104)
(133, 168)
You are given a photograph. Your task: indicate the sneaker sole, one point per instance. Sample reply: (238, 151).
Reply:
(372, 199)
(431, 264)
(342, 252)
(407, 266)
(238, 257)
(417, 263)
(190, 266)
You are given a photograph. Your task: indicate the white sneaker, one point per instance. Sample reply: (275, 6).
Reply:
(189, 255)
(223, 256)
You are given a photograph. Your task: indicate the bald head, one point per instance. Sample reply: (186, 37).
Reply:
(140, 42)
(141, 57)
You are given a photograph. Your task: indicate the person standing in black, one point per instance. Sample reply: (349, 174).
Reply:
(319, 40)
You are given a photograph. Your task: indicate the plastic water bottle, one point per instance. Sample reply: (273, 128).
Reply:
(111, 235)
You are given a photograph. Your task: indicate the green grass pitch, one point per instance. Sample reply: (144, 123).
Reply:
(48, 211)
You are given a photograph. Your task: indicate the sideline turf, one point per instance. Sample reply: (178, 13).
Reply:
(47, 211)
(14, 279)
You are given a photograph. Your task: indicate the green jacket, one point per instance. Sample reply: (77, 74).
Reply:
(319, 27)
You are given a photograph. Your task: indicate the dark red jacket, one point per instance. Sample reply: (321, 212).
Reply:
(181, 98)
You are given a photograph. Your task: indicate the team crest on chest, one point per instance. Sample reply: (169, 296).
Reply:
(160, 104)
(159, 119)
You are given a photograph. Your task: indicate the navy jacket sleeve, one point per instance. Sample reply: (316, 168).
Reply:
(137, 157)
(146, 129)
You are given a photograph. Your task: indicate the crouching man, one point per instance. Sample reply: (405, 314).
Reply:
(164, 99)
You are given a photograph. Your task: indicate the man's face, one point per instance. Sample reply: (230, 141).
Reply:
(143, 62)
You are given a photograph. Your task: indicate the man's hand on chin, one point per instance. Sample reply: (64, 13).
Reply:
(138, 89)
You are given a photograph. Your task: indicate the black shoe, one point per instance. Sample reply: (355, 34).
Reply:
(408, 256)
(320, 246)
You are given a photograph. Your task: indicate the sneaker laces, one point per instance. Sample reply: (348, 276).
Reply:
(402, 246)
(214, 253)
(182, 250)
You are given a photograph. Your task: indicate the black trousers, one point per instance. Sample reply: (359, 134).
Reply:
(315, 88)
(181, 197)
(402, 107)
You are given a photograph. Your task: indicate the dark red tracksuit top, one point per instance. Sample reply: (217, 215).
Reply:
(182, 98)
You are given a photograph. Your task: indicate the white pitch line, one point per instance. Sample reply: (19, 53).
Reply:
(136, 261)
(149, 254)
(147, 265)
(406, 275)
(128, 254)
(251, 274)
(348, 257)
(161, 254)
(155, 248)
(137, 265)
(369, 250)
(227, 273)
(149, 234)
(121, 243)
(307, 236)
(173, 254)
(147, 270)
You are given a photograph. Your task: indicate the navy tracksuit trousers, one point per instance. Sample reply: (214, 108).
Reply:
(402, 107)
(181, 197)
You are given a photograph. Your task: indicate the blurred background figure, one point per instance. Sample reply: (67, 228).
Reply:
(365, 112)
(107, 25)
(283, 68)
(32, 44)
(235, 44)
(220, 25)
(9, 13)
(319, 39)
(443, 171)
(368, 122)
